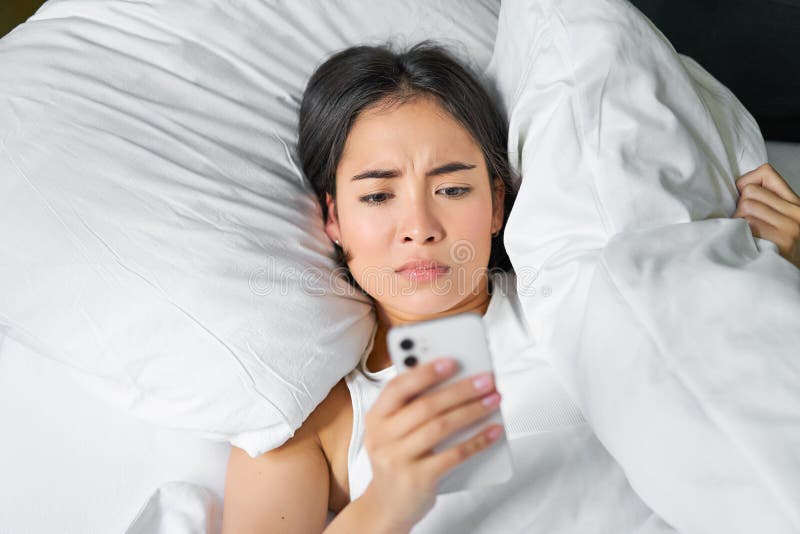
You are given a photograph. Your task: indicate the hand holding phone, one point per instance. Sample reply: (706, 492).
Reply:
(463, 337)
(404, 425)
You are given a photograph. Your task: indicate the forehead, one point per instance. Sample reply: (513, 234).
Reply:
(420, 128)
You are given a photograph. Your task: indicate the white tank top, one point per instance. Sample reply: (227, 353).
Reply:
(548, 407)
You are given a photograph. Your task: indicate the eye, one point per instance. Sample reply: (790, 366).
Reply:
(374, 199)
(455, 192)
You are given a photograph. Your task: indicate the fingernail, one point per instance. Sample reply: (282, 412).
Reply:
(443, 366)
(495, 432)
(482, 382)
(491, 399)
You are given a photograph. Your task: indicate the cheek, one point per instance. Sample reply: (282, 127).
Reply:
(475, 221)
(364, 228)
(365, 231)
(476, 224)
(474, 237)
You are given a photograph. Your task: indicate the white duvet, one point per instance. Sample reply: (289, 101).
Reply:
(675, 329)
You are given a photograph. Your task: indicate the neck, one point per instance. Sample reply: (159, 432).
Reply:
(388, 317)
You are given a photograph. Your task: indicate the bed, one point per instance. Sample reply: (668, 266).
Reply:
(72, 464)
(106, 466)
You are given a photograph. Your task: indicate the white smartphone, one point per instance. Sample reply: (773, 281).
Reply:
(463, 338)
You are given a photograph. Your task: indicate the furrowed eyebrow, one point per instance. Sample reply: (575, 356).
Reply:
(453, 166)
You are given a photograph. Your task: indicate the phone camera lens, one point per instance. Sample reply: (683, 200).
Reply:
(406, 344)
(410, 361)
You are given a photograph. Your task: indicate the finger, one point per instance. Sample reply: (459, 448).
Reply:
(766, 231)
(759, 228)
(432, 432)
(404, 387)
(440, 463)
(765, 196)
(759, 210)
(767, 177)
(432, 404)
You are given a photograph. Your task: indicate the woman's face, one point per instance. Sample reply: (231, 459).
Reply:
(412, 185)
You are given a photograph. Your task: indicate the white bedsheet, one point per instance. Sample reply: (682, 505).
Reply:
(71, 464)
(179, 508)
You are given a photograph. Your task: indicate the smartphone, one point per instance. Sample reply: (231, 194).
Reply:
(463, 338)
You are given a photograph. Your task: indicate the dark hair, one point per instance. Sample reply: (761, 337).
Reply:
(354, 79)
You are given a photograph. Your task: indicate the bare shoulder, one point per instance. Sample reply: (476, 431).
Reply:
(333, 424)
(254, 498)
(329, 414)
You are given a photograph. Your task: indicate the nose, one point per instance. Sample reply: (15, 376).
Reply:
(420, 224)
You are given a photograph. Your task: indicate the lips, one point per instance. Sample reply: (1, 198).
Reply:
(423, 270)
(423, 265)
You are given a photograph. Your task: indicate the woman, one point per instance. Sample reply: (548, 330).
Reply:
(407, 154)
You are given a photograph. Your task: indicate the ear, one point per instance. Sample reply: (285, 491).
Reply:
(332, 221)
(498, 206)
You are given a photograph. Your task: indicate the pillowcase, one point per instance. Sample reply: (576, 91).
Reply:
(636, 284)
(158, 237)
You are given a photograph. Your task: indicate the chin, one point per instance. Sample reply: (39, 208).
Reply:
(425, 301)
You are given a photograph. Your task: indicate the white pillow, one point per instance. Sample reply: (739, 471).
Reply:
(635, 283)
(157, 234)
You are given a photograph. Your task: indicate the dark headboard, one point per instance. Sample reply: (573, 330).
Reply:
(752, 46)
